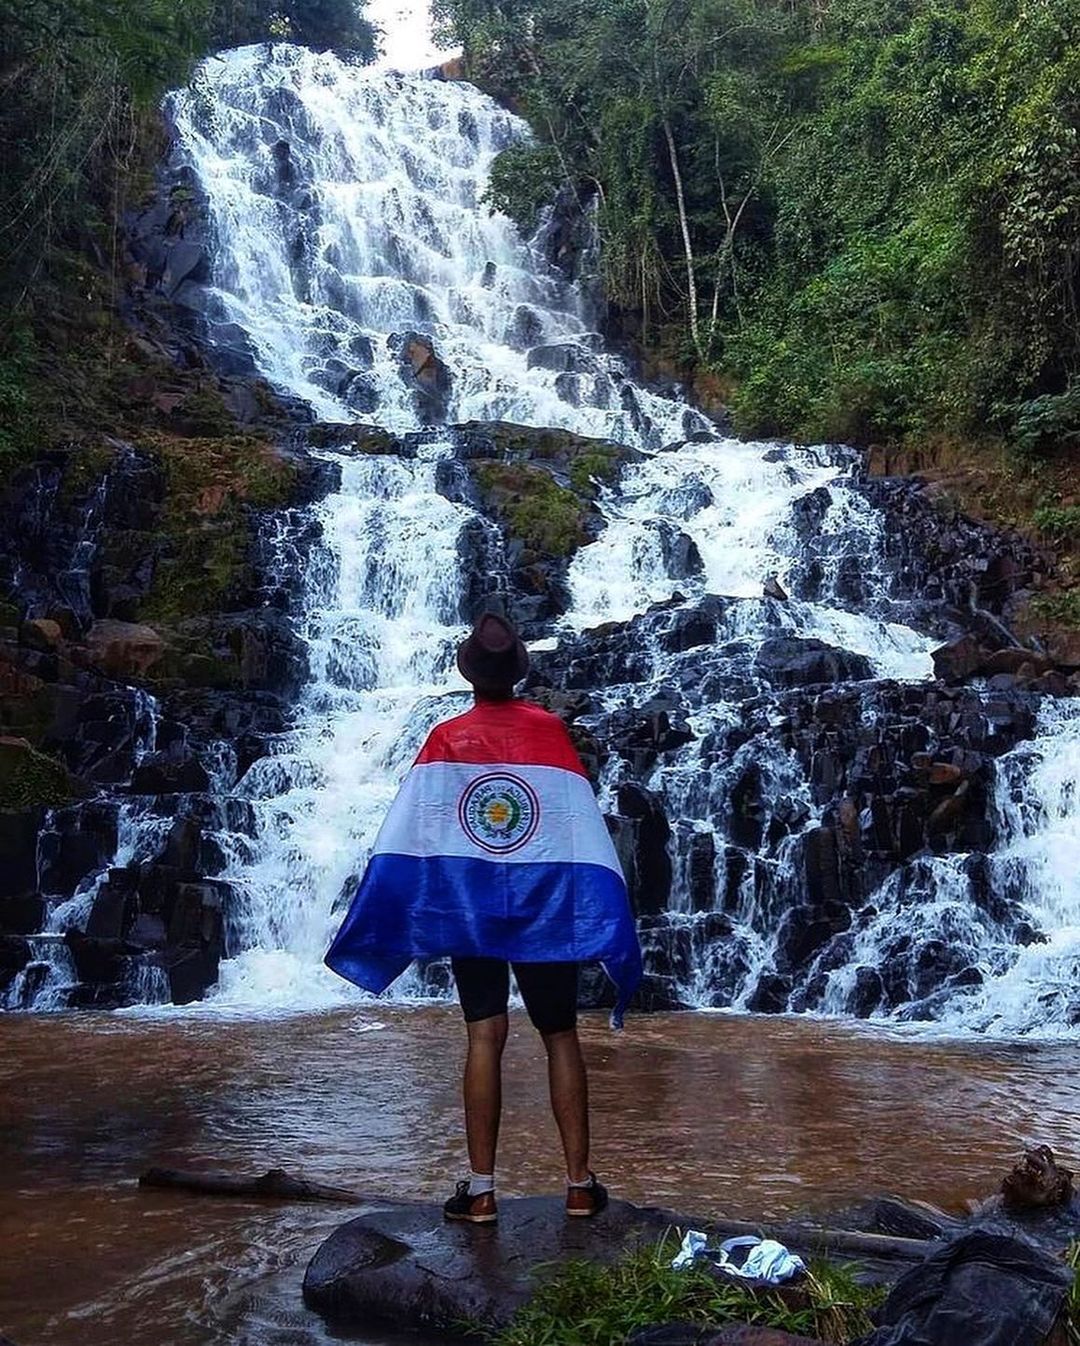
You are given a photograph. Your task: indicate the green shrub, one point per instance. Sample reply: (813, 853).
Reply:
(524, 178)
(1045, 423)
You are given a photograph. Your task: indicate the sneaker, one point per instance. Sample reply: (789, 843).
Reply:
(475, 1209)
(585, 1201)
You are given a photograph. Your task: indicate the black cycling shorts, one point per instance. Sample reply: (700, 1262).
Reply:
(548, 989)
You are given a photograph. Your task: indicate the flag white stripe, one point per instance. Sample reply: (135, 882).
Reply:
(424, 818)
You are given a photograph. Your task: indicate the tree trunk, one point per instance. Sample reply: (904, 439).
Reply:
(691, 283)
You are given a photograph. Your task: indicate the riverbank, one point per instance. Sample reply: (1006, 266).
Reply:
(714, 1113)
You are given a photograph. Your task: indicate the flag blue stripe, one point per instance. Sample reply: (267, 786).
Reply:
(429, 906)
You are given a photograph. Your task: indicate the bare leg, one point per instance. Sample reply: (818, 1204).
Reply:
(483, 1090)
(570, 1099)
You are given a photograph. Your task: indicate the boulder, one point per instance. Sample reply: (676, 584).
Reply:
(789, 661)
(124, 649)
(196, 940)
(959, 659)
(174, 771)
(23, 915)
(185, 261)
(18, 851)
(79, 842)
(15, 953)
(565, 357)
(30, 779)
(1063, 646)
(680, 553)
(643, 847)
(402, 1266)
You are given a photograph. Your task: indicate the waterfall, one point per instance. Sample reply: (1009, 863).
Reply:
(351, 237)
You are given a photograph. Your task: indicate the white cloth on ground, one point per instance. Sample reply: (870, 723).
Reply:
(766, 1259)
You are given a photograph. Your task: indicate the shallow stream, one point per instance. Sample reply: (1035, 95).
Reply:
(707, 1113)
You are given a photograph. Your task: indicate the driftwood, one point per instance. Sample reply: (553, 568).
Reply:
(278, 1183)
(848, 1243)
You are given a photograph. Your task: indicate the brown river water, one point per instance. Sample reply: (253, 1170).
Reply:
(707, 1113)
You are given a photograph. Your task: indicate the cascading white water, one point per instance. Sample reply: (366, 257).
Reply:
(347, 213)
(383, 598)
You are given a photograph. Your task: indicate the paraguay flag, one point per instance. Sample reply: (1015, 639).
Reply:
(494, 847)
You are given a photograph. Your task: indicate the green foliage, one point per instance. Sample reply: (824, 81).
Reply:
(320, 24)
(597, 464)
(16, 402)
(524, 178)
(1044, 422)
(880, 199)
(587, 1304)
(1060, 523)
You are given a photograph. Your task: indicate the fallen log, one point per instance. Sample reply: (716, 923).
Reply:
(855, 1243)
(277, 1183)
(815, 1238)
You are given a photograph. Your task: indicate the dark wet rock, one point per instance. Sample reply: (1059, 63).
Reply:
(196, 940)
(23, 914)
(789, 661)
(76, 844)
(185, 260)
(561, 357)
(567, 237)
(679, 551)
(701, 870)
(737, 1334)
(405, 1267)
(15, 954)
(171, 772)
(770, 995)
(539, 488)
(641, 834)
(18, 845)
(867, 994)
(99, 962)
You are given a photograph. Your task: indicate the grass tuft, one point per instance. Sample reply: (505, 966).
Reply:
(589, 1304)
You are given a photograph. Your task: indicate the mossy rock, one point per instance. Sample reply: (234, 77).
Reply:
(203, 532)
(576, 457)
(204, 475)
(346, 435)
(86, 465)
(531, 507)
(29, 779)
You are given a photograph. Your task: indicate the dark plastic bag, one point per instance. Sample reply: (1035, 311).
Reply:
(981, 1289)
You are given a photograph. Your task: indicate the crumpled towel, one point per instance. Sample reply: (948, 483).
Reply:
(694, 1242)
(766, 1260)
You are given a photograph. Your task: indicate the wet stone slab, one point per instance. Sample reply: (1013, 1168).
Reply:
(404, 1266)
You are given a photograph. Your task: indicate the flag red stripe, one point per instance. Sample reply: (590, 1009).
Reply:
(514, 733)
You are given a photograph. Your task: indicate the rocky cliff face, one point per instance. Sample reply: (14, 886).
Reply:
(146, 648)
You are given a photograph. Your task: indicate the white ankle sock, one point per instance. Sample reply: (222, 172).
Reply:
(587, 1183)
(479, 1183)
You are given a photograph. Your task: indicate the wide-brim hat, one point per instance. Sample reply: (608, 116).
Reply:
(492, 656)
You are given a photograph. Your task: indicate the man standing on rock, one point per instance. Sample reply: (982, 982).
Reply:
(495, 853)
